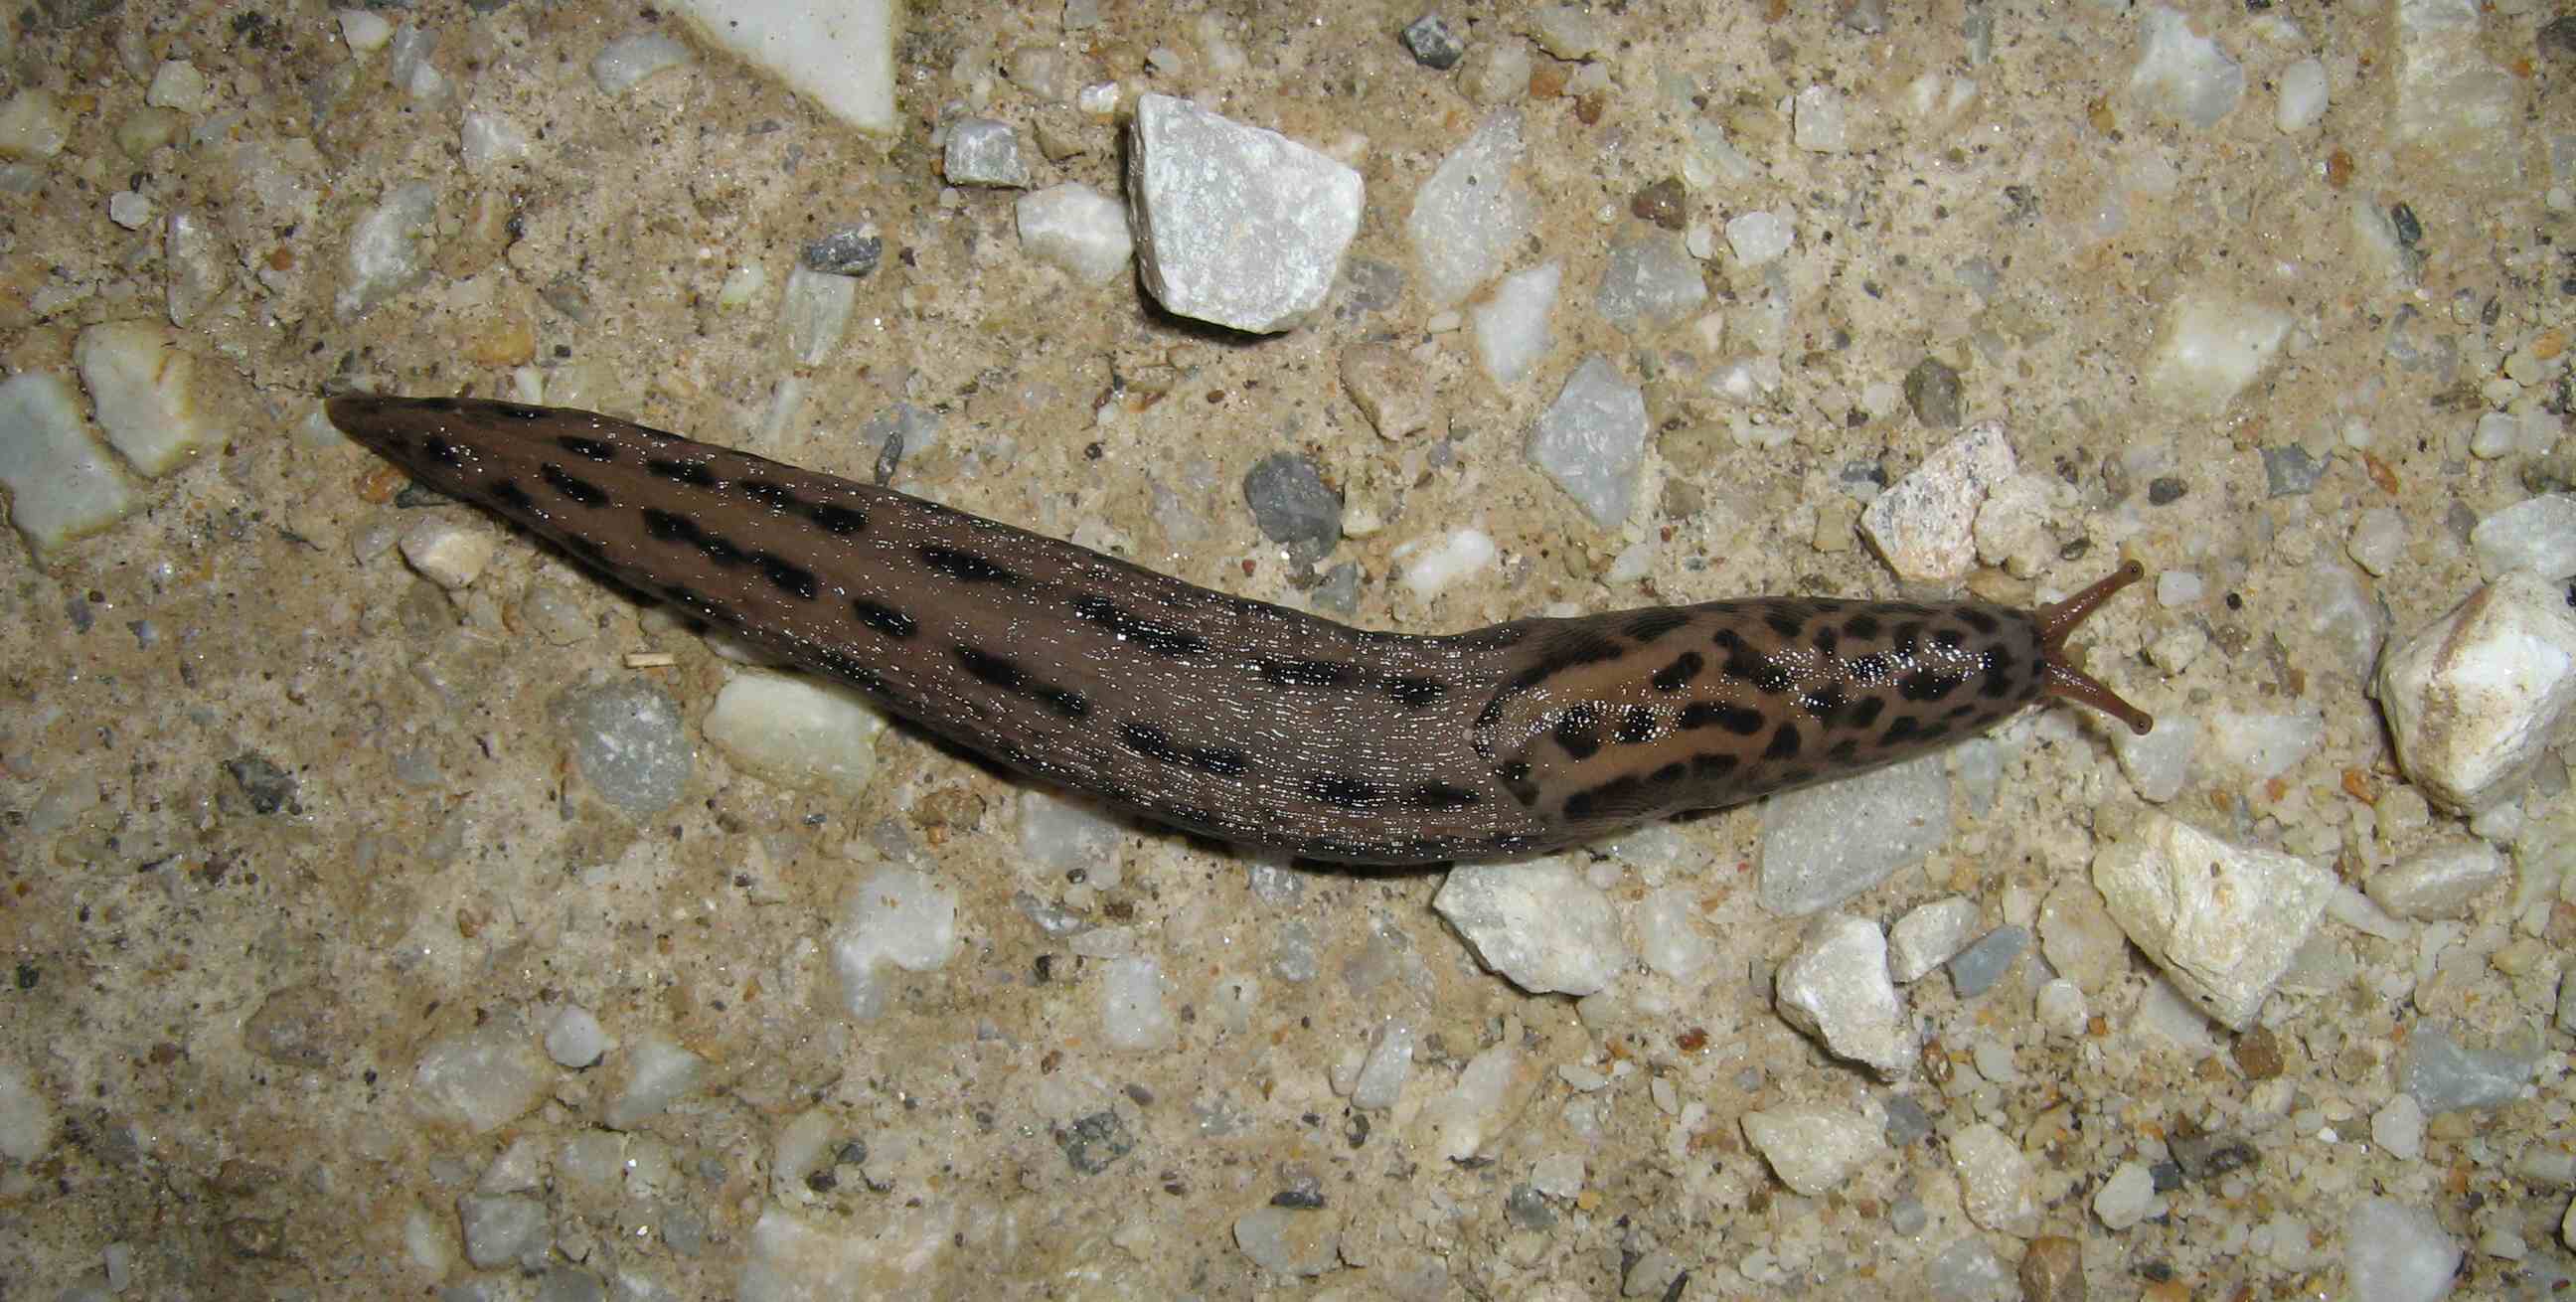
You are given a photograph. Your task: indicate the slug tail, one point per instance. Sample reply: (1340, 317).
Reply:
(2064, 680)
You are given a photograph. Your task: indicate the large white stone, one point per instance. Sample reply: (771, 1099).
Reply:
(2223, 921)
(1924, 525)
(841, 55)
(2209, 347)
(2474, 699)
(1234, 224)
(1541, 925)
(1813, 1147)
(1472, 213)
(796, 731)
(1835, 988)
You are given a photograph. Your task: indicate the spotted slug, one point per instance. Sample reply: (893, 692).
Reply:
(1235, 718)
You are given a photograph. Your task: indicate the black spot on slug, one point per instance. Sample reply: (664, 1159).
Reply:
(1157, 638)
(1841, 752)
(1638, 725)
(1718, 765)
(1780, 621)
(1762, 671)
(580, 492)
(1903, 727)
(1948, 639)
(518, 411)
(1784, 744)
(442, 452)
(1583, 651)
(1979, 620)
(1926, 685)
(1342, 791)
(1827, 639)
(795, 580)
(593, 449)
(767, 493)
(1578, 730)
(1669, 774)
(1908, 639)
(681, 472)
(1415, 693)
(1308, 673)
(1863, 627)
(1673, 677)
(662, 526)
(1736, 719)
(1866, 712)
(839, 520)
(965, 567)
(510, 497)
(1823, 703)
(1441, 795)
(1152, 742)
(882, 617)
(1002, 672)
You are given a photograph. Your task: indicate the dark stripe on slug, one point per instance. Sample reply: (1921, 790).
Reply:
(1784, 744)
(1863, 627)
(1901, 728)
(767, 493)
(1908, 639)
(1587, 651)
(511, 497)
(1826, 639)
(1761, 671)
(681, 472)
(1714, 766)
(1655, 623)
(1309, 673)
(662, 526)
(1926, 685)
(1157, 638)
(442, 452)
(519, 411)
(580, 492)
(593, 449)
(795, 580)
(1441, 795)
(1638, 725)
(1673, 677)
(1948, 639)
(1579, 730)
(1841, 752)
(1823, 703)
(1002, 672)
(882, 617)
(1736, 719)
(1153, 743)
(965, 567)
(1979, 620)
(1343, 791)
(1415, 693)
(1787, 625)
(840, 520)
(1866, 712)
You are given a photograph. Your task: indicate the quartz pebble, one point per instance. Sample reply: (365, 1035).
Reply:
(2223, 921)
(655, 1073)
(2183, 75)
(895, 917)
(1928, 935)
(2401, 1252)
(2210, 347)
(796, 730)
(1077, 228)
(1835, 988)
(61, 484)
(1473, 212)
(2441, 882)
(2536, 534)
(1824, 844)
(1995, 1180)
(449, 553)
(1592, 439)
(1813, 1148)
(2473, 699)
(1541, 925)
(1924, 524)
(985, 152)
(628, 744)
(1235, 225)
(1512, 326)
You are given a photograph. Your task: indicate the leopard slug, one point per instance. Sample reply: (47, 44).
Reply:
(1234, 718)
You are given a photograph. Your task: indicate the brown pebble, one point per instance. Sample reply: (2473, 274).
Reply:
(2053, 1270)
(2258, 1054)
(1662, 203)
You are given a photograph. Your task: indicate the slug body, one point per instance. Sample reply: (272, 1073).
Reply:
(1235, 718)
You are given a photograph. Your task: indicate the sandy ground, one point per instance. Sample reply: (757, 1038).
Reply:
(222, 1004)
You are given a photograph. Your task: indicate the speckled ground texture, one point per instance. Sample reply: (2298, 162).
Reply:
(221, 986)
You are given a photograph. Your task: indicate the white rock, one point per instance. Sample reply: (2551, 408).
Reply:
(655, 1073)
(1558, 1175)
(1387, 1067)
(1813, 1147)
(1512, 326)
(1235, 225)
(1820, 120)
(487, 140)
(1824, 844)
(1835, 988)
(2455, 108)
(2223, 921)
(177, 84)
(1472, 213)
(1077, 228)
(2401, 1251)
(1292, 1241)
(1062, 834)
(575, 1038)
(1134, 1015)
(2302, 90)
(1540, 925)
(145, 390)
(2128, 1197)
(1758, 237)
(2536, 534)
(1431, 565)
(1995, 1183)
(2180, 75)
(1924, 524)
(2398, 1126)
(364, 30)
(2266, 745)
(896, 916)
(481, 1079)
(2159, 763)
(1651, 281)
(1476, 1107)
(1669, 937)
(982, 151)
(129, 210)
(796, 731)
(628, 61)
(840, 55)
(2378, 540)
(815, 313)
(61, 484)
(384, 258)
(2061, 1008)
(32, 125)
(2209, 347)
(26, 1116)
(2474, 699)
(1592, 439)
(1929, 935)
(449, 553)
(2439, 883)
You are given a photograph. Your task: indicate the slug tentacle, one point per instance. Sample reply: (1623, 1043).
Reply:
(1230, 717)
